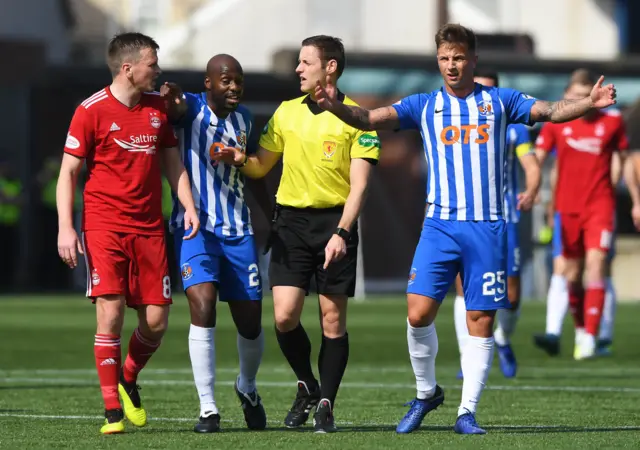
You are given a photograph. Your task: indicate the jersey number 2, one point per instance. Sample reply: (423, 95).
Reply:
(254, 275)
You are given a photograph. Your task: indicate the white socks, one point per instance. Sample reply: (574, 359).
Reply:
(477, 357)
(250, 355)
(608, 312)
(460, 322)
(423, 348)
(202, 351)
(507, 319)
(557, 304)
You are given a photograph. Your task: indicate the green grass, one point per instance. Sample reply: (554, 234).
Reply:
(49, 397)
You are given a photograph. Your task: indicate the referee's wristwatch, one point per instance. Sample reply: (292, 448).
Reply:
(344, 234)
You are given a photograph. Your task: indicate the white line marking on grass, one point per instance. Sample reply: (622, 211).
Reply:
(353, 385)
(355, 369)
(341, 423)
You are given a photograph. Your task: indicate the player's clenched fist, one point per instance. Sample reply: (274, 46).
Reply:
(67, 243)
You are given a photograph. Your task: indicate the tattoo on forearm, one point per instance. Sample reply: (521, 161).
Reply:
(561, 111)
(357, 117)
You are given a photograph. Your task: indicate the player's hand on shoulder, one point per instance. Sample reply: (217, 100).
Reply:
(191, 224)
(326, 96)
(228, 155)
(603, 96)
(68, 242)
(172, 92)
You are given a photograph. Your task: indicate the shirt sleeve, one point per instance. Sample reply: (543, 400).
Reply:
(621, 140)
(546, 139)
(366, 145)
(80, 137)
(517, 105)
(169, 137)
(248, 144)
(409, 111)
(523, 142)
(193, 108)
(271, 138)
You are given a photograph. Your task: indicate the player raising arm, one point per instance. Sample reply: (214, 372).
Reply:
(463, 126)
(222, 259)
(123, 134)
(519, 149)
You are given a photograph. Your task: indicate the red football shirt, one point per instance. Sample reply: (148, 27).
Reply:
(121, 145)
(584, 149)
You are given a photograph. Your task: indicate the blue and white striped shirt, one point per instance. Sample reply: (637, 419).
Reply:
(518, 145)
(464, 143)
(217, 188)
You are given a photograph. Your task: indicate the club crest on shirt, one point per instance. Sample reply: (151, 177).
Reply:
(329, 149)
(154, 118)
(485, 108)
(241, 138)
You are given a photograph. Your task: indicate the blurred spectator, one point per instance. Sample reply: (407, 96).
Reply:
(10, 205)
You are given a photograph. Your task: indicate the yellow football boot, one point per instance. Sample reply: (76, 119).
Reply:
(113, 422)
(131, 402)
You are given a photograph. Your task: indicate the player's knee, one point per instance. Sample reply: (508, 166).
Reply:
(480, 323)
(285, 320)
(110, 314)
(202, 305)
(595, 266)
(334, 324)
(572, 272)
(421, 310)
(154, 321)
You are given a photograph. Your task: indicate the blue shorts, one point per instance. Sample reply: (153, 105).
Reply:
(556, 242)
(229, 262)
(475, 249)
(513, 250)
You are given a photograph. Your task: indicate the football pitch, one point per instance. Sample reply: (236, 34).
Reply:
(49, 395)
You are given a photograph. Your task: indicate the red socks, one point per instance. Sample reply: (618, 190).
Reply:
(106, 349)
(593, 306)
(576, 304)
(140, 350)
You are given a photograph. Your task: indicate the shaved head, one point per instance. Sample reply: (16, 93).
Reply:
(222, 63)
(224, 81)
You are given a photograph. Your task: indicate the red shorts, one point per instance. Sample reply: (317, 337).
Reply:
(133, 265)
(582, 232)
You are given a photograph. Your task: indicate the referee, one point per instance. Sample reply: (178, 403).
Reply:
(326, 168)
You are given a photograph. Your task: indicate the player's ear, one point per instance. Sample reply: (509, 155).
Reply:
(332, 66)
(127, 69)
(207, 83)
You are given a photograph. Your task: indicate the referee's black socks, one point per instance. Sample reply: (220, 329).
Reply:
(296, 347)
(332, 362)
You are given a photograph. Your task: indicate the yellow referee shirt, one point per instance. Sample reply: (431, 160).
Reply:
(317, 150)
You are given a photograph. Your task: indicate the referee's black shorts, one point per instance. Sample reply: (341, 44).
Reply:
(299, 237)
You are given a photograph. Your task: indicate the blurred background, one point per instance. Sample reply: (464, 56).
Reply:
(53, 58)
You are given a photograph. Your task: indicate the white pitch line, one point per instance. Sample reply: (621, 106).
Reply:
(341, 423)
(347, 384)
(350, 369)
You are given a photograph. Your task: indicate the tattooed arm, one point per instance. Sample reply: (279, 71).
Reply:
(566, 110)
(561, 111)
(385, 118)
